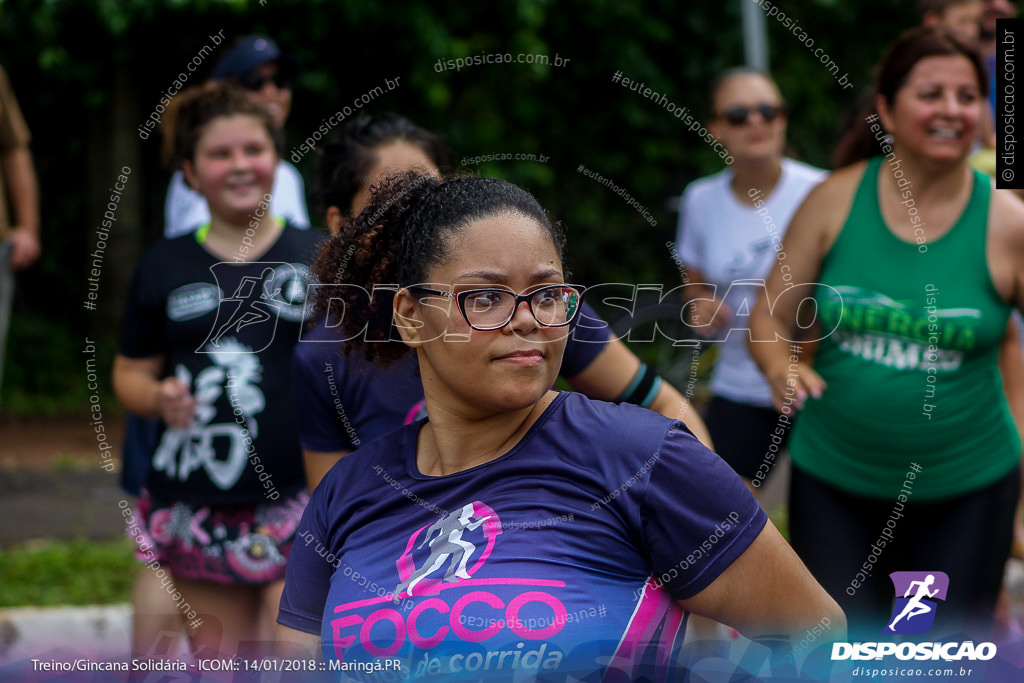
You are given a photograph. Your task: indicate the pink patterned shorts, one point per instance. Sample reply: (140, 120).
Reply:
(232, 544)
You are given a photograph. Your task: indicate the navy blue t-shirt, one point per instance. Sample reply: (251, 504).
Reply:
(565, 555)
(342, 401)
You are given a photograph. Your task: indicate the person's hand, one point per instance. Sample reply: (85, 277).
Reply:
(25, 248)
(792, 388)
(176, 403)
(708, 316)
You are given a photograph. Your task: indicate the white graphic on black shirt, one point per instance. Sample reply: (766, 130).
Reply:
(183, 451)
(256, 303)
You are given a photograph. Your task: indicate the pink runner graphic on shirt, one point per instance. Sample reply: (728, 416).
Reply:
(445, 540)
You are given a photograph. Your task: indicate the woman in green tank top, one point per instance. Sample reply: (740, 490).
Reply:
(905, 455)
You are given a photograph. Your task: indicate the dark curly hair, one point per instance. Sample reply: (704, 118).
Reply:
(345, 160)
(406, 229)
(188, 113)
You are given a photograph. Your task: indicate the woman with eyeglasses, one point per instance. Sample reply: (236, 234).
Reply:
(730, 230)
(516, 530)
(905, 456)
(256, 65)
(343, 402)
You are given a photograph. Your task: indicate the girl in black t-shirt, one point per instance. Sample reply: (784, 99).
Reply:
(206, 345)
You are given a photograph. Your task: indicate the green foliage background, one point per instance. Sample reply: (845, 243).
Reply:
(76, 572)
(87, 71)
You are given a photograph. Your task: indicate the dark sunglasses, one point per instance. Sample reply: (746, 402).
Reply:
(737, 116)
(255, 82)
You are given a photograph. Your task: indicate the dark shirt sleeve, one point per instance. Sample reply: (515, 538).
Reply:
(589, 336)
(308, 575)
(318, 372)
(696, 515)
(143, 325)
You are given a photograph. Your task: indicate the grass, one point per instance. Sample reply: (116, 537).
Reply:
(62, 462)
(78, 572)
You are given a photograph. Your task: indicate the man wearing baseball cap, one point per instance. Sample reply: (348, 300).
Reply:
(257, 66)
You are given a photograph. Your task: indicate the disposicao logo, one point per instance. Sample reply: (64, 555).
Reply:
(914, 608)
(916, 602)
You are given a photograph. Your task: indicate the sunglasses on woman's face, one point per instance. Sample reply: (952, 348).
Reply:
(255, 82)
(738, 116)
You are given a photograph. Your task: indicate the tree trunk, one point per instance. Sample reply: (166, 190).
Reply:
(115, 150)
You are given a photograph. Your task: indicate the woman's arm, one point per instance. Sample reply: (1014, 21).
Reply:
(23, 190)
(138, 386)
(671, 403)
(611, 373)
(292, 643)
(1004, 251)
(708, 313)
(1011, 367)
(317, 465)
(773, 321)
(768, 591)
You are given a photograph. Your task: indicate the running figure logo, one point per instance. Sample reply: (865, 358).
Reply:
(279, 291)
(914, 608)
(251, 309)
(446, 541)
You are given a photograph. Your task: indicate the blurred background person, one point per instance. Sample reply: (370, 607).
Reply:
(964, 16)
(994, 10)
(19, 241)
(730, 229)
(207, 339)
(18, 185)
(257, 66)
(903, 416)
